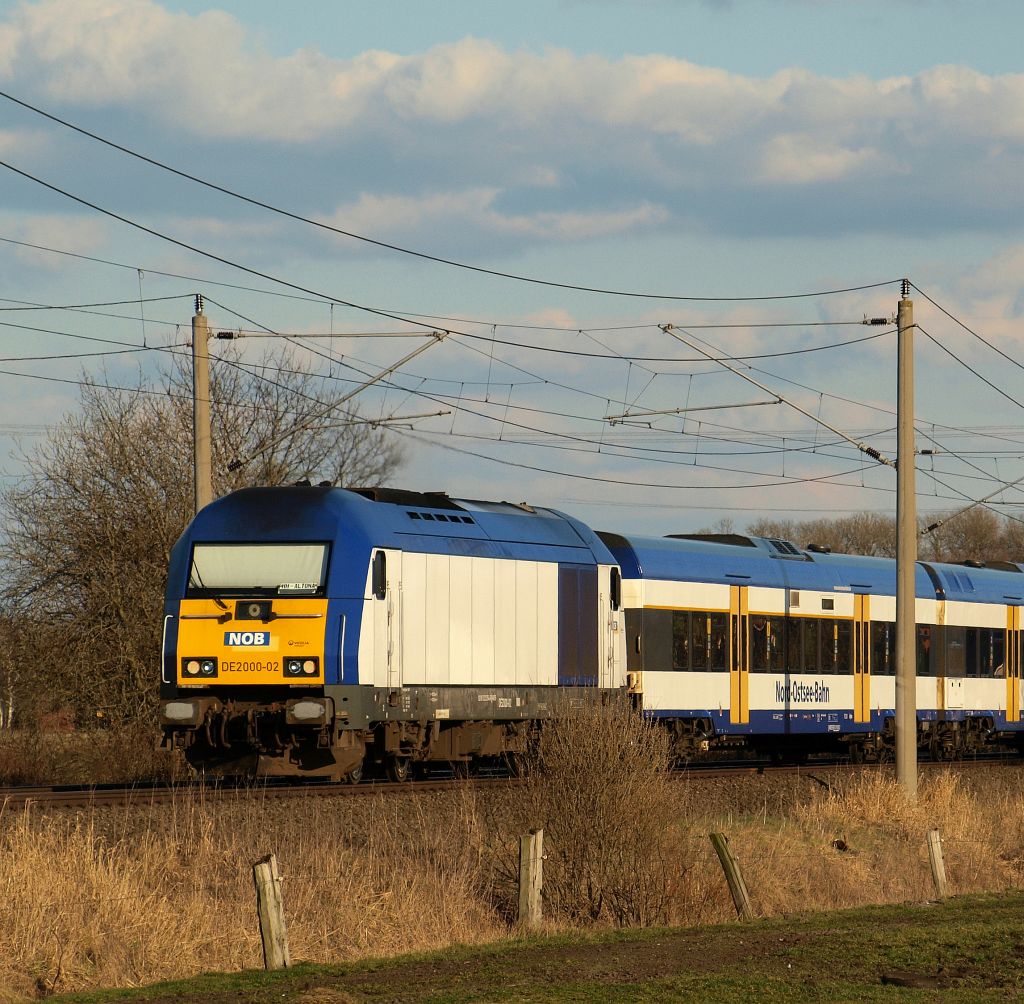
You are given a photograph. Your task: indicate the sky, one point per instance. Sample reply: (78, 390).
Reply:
(599, 195)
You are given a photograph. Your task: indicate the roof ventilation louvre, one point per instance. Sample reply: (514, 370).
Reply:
(784, 547)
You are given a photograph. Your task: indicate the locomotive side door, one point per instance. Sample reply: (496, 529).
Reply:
(739, 656)
(611, 627)
(861, 658)
(1012, 664)
(386, 602)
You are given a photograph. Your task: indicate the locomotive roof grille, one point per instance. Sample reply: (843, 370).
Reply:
(450, 518)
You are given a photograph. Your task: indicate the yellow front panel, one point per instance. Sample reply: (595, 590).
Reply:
(252, 651)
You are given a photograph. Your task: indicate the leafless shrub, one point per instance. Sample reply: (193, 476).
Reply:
(614, 837)
(123, 753)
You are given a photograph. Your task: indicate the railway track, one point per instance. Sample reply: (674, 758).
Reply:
(84, 797)
(90, 796)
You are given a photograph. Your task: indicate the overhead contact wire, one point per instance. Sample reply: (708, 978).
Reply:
(420, 254)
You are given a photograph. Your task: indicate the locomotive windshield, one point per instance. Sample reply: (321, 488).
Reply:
(258, 569)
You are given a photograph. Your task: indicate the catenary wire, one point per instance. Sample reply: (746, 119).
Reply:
(437, 399)
(420, 254)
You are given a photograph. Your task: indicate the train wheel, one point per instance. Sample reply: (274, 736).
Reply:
(355, 775)
(460, 769)
(399, 768)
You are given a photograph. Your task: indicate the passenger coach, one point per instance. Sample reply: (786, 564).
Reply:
(309, 630)
(735, 640)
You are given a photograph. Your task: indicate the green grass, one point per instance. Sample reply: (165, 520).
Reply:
(972, 946)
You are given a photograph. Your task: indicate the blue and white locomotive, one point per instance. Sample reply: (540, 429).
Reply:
(309, 631)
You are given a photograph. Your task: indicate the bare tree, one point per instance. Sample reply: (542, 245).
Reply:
(977, 534)
(89, 529)
(860, 533)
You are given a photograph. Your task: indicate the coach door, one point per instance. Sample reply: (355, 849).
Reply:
(739, 656)
(1012, 664)
(861, 658)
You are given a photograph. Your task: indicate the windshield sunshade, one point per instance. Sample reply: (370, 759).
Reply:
(276, 569)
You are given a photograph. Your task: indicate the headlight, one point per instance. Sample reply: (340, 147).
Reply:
(301, 666)
(203, 668)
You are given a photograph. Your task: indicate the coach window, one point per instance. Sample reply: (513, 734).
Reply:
(680, 640)
(777, 644)
(810, 628)
(972, 651)
(924, 649)
(700, 640)
(993, 651)
(843, 646)
(827, 657)
(719, 641)
(955, 652)
(883, 634)
(656, 641)
(759, 644)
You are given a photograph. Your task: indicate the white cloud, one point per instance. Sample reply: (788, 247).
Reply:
(476, 208)
(796, 159)
(535, 146)
(208, 73)
(79, 234)
(14, 141)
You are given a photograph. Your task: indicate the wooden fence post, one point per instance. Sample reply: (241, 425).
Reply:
(938, 866)
(531, 878)
(733, 876)
(270, 907)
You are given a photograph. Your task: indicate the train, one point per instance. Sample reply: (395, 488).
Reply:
(321, 632)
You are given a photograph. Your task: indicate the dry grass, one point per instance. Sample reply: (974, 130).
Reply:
(121, 897)
(117, 755)
(156, 893)
(863, 843)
